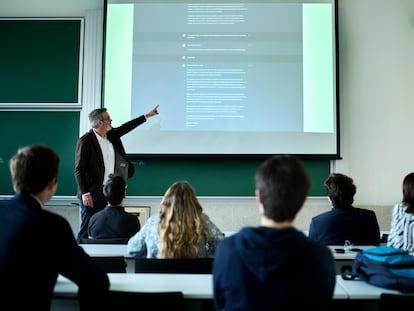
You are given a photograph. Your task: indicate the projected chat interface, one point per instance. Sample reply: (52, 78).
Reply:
(219, 66)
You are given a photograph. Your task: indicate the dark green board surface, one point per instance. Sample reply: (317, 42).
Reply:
(210, 177)
(39, 61)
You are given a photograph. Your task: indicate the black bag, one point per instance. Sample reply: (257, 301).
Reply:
(383, 266)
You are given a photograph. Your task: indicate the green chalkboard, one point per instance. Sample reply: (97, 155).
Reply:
(211, 177)
(58, 130)
(40, 62)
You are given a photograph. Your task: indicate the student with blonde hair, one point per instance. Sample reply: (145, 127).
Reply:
(179, 230)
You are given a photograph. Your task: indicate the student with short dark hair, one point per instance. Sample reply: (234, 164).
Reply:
(113, 222)
(274, 266)
(37, 245)
(344, 221)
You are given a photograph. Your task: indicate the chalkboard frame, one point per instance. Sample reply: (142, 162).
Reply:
(50, 67)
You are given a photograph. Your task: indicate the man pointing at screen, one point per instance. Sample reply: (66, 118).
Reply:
(100, 152)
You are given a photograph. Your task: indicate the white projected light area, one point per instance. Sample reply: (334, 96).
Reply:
(230, 78)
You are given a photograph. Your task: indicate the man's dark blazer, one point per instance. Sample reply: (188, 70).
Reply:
(357, 225)
(35, 247)
(89, 163)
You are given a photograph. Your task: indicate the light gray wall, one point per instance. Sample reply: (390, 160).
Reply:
(377, 92)
(376, 48)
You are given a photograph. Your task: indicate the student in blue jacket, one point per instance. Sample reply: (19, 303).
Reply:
(274, 266)
(344, 222)
(113, 224)
(37, 245)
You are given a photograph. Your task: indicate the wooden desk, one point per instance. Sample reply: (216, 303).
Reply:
(362, 290)
(362, 296)
(348, 255)
(341, 259)
(193, 286)
(196, 288)
(106, 250)
(347, 258)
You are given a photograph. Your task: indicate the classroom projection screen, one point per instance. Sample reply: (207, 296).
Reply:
(241, 78)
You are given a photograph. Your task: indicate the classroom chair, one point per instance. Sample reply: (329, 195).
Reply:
(104, 241)
(129, 301)
(111, 264)
(187, 265)
(392, 302)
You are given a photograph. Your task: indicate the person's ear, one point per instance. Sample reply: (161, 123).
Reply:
(329, 199)
(258, 198)
(51, 187)
(259, 201)
(53, 183)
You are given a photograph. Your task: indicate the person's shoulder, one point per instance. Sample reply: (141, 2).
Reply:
(153, 219)
(245, 233)
(365, 211)
(97, 215)
(53, 217)
(86, 137)
(87, 134)
(9, 203)
(228, 242)
(206, 218)
(319, 249)
(400, 206)
(48, 222)
(322, 216)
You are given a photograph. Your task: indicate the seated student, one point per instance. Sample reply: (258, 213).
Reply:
(344, 221)
(274, 266)
(179, 230)
(37, 245)
(402, 221)
(113, 222)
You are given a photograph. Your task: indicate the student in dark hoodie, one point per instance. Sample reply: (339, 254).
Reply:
(274, 266)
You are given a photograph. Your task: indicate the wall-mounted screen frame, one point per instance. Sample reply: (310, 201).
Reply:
(232, 78)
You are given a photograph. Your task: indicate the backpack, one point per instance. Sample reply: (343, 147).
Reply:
(383, 266)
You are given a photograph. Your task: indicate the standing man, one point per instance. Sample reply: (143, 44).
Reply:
(37, 245)
(99, 153)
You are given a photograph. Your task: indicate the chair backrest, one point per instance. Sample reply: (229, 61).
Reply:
(111, 264)
(104, 241)
(187, 265)
(128, 301)
(392, 302)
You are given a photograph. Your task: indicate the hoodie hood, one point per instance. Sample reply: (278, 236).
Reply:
(266, 250)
